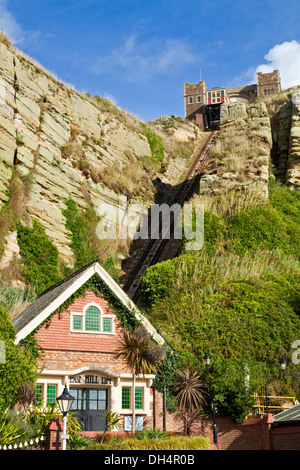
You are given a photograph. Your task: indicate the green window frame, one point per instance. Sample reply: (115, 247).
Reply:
(38, 394)
(92, 319)
(138, 398)
(51, 394)
(107, 325)
(126, 398)
(77, 322)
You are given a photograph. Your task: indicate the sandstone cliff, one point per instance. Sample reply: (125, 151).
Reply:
(240, 153)
(57, 143)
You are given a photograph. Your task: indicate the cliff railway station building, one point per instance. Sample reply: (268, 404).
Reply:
(77, 324)
(203, 105)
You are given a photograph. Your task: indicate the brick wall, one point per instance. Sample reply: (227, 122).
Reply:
(193, 90)
(69, 350)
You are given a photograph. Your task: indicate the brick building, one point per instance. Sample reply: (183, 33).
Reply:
(77, 324)
(268, 84)
(199, 101)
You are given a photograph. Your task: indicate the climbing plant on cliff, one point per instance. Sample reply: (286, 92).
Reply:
(39, 256)
(84, 241)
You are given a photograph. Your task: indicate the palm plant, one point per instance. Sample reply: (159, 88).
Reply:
(190, 395)
(26, 396)
(113, 421)
(141, 357)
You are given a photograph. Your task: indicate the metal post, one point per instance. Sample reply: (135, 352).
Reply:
(215, 429)
(64, 435)
(164, 410)
(267, 404)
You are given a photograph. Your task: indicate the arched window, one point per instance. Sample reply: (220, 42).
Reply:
(92, 320)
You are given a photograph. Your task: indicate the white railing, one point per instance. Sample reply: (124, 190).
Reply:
(24, 445)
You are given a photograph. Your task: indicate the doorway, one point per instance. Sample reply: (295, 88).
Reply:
(89, 407)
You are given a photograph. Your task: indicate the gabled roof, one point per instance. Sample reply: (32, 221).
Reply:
(52, 298)
(287, 416)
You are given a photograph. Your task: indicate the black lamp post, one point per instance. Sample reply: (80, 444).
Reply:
(207, 360)
(283, 364)
(65, 401)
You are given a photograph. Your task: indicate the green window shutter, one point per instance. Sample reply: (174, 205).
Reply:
(125, 398)
(51, 394)
(138, 398)
(92, 319)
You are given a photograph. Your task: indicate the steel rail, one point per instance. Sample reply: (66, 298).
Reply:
(155, 246)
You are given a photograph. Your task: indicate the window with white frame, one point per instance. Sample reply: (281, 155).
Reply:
(92, 320)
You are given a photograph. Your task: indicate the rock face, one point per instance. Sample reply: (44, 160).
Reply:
(64, 144)
(240, 153)
(293, 161)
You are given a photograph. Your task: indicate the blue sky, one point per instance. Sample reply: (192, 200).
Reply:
(140, 53)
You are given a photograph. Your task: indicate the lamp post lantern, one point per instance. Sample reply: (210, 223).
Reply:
(283, 364)
(65, 401)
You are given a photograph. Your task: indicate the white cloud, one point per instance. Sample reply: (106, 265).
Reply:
(284, 57)
(9, 25)
(146, 59)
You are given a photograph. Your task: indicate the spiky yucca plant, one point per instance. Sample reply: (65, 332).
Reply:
(140, 355)
(190, 396)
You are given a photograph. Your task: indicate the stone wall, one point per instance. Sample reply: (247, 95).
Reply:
(268, 84)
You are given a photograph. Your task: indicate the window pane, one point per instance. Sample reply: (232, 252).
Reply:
(139, 398)
(38, 394)
(77, 323)
(125, 398)
(51, 394)
(92, 319)
(107, 325)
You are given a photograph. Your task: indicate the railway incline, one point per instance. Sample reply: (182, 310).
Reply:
(161, 246)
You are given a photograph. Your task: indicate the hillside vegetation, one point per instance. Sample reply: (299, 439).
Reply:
(237, 298)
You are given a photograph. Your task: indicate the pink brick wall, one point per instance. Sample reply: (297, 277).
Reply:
(69, 350)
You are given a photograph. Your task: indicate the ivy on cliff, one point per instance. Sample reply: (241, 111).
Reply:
(39, 256)
(85, 244)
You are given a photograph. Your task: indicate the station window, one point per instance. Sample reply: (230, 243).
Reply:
(191, 100)
(92, 320)
(38, 394)
(126, 398)
(209, 95)
(198, 99)
(50, 394)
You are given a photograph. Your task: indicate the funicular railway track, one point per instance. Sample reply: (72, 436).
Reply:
(158, 243)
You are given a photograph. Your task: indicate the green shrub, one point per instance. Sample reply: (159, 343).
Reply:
(151, 433)
(19, 367)
(39, 256)
(156, 146)
(168, 443)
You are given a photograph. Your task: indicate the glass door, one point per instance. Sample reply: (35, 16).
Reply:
(89, 407)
